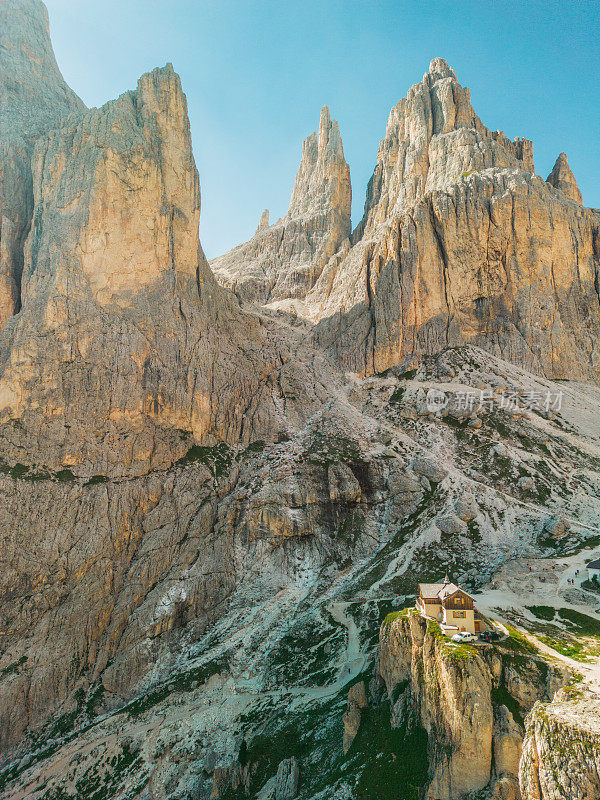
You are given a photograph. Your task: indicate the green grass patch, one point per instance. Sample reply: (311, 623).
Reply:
(517, 642)
(542, 612)
(12, 669)
(582, 623)
(397, 395)
(217, 458)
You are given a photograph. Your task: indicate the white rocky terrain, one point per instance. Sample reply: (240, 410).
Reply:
(220, 488)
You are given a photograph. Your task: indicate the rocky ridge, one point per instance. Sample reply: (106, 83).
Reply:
(461, 242)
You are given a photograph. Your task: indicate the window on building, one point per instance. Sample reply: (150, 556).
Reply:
(459, 614)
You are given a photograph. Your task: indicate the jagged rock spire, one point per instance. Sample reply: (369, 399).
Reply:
(284, 260)
(263, 223)
(563, 179)
(323, 178)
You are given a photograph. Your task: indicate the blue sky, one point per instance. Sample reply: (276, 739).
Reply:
(256, 73)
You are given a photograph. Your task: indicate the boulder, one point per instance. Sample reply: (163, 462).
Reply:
(508, 738)
(451, 524)
(556, 527)
(288, 773)
(343, 485)
(428, 468)
(466, 508)
(269, 790)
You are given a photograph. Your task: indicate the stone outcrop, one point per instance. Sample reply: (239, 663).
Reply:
(561, 751)
(459, 695)
(284, 260)
(33, 99)
(120, 359)
(357, 701)
(563, 179)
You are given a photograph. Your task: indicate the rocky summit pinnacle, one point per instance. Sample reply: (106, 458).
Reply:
(563, 179)
(323, 178)
(439, 68)
(285, 259)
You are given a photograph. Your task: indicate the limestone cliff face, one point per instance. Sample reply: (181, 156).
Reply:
(33, 99)
(122, 352)
(459, 695)
(561, 751)
(495, 258)
(432, 136)
(285, 259)
(101, 579)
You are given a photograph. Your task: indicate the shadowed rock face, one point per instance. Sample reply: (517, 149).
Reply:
(285, 259)
(33, 99)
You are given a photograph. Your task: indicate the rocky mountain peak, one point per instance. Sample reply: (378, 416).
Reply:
(109, 249)
(433, 135)
(285, 259)
(439, 68)
(563, 179)
(34, 98)
(323, 178)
